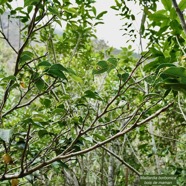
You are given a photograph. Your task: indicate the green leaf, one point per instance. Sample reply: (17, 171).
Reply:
(175, 72)
(142, 146)
(133, 17)
(112, 62)
(59, 67)
(6, 134)
(118, 4)
(59, 164)
(100, 22)
(42, 133)
(70, 10)
(76, 78)
(91, 94)
(26, 56)
(152, 95)
(8, 78)
(114, 7)
(100, 137)
(54, 11)
(57, 73)
(124, 76)
(162, 66)
(176, 27)
(46, 102)
(58, 110)
(167, 4)
(30, 2)
(44, 63)
(158, 16)
(40, 84)
(27, 121)
(101, 68)
(174, 78)
(56, 70)
(101, 14)
(3, 2)
(175, 86)
(166, 93)
(29, 9)
(94, 10)
(182, 5)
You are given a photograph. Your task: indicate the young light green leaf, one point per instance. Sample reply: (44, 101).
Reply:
(182, 5)
(167, 4)
(76, 78)
(9, 78)
(70, 10)
(159, 15)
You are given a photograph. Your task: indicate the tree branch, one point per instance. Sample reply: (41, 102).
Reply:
(180, 15)
(122, 161)
(25, 149)
(11, 46)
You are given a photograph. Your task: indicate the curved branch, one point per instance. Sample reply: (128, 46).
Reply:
(122, 161)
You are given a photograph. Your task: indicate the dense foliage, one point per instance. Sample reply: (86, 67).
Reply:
(75, 113)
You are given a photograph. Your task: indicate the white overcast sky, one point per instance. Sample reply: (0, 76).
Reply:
(111, 31)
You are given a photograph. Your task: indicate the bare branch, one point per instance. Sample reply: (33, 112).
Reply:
(23, 157)
(122, 161)
(7, 40)
(17, 106)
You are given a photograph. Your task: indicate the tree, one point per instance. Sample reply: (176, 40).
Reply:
(67, 103)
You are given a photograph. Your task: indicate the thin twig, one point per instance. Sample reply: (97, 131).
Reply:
(7, 40)
(121, 160)
(25, 149)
